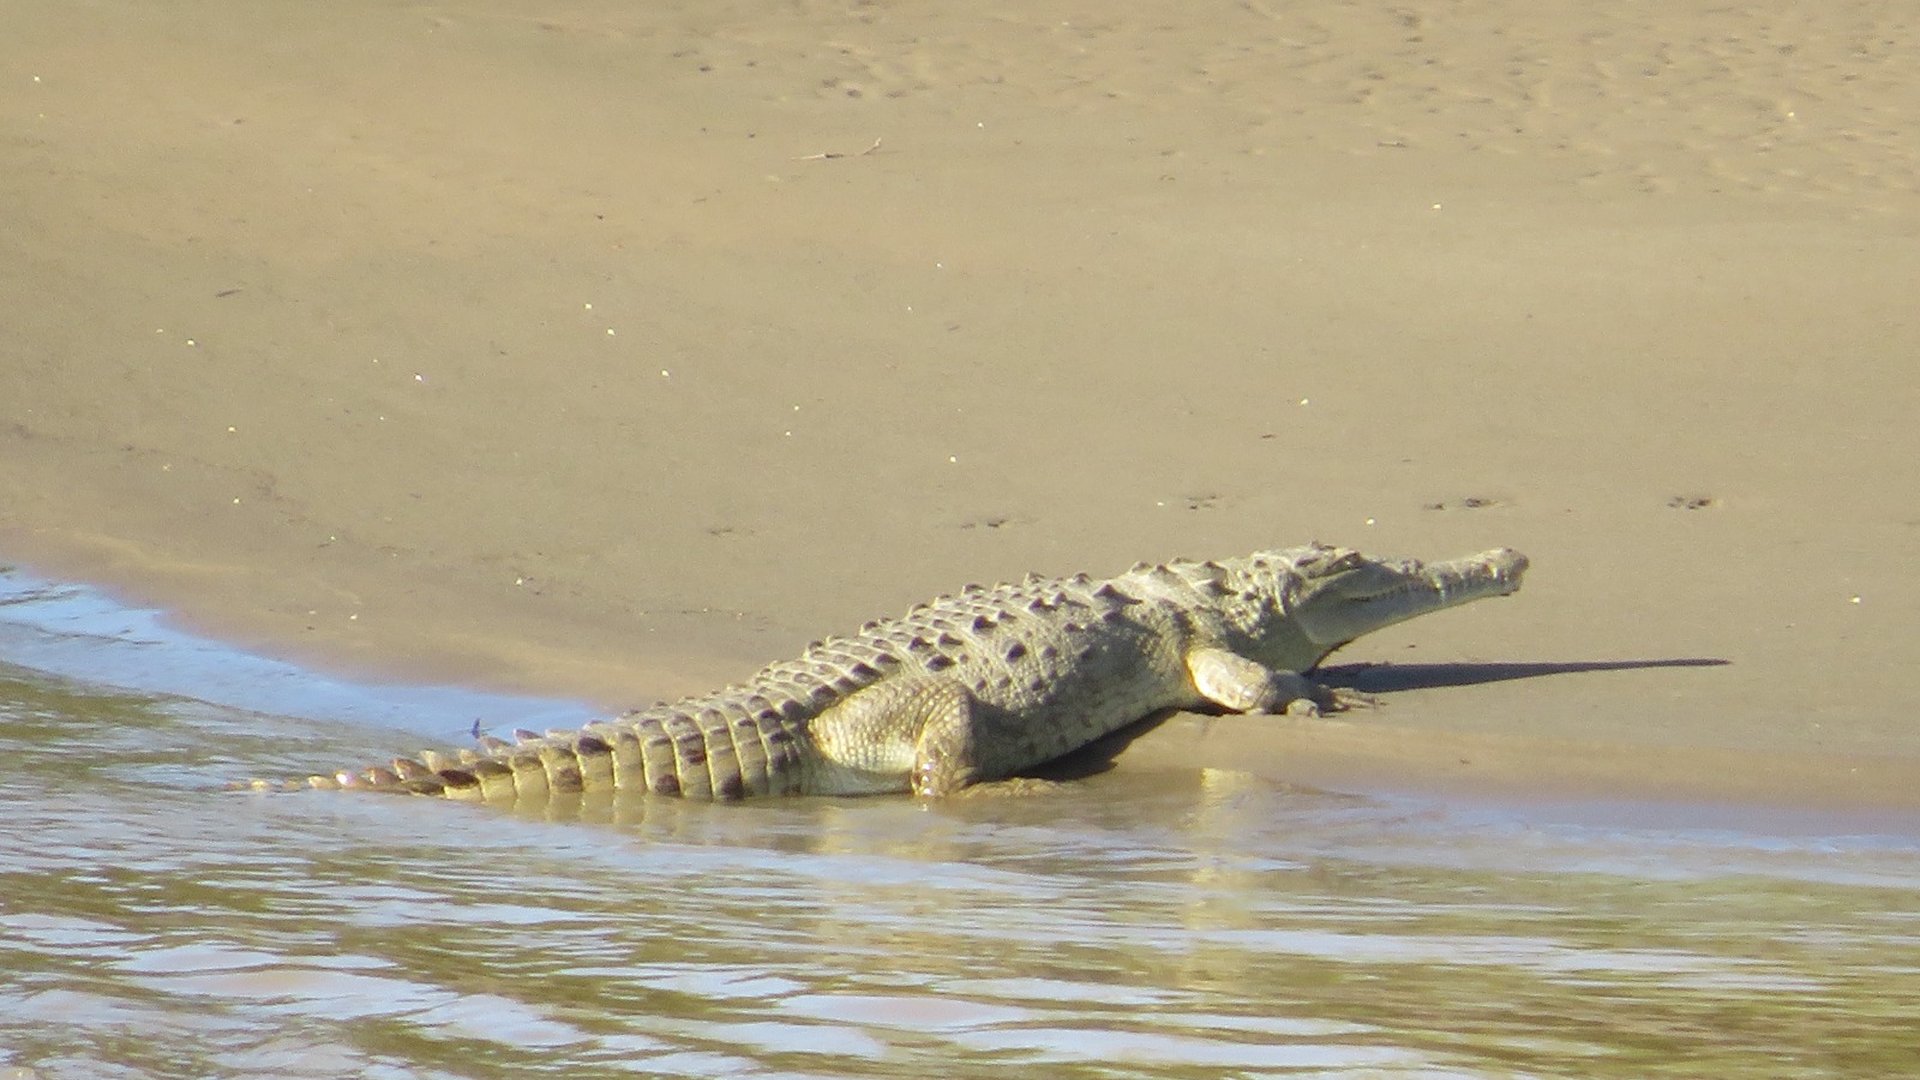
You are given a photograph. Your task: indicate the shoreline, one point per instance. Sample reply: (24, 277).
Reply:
(1544, 779)
(1537, 779)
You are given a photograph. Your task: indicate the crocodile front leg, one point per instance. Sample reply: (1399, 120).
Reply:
(1234, 682)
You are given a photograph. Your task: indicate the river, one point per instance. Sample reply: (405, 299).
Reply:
(155, 924)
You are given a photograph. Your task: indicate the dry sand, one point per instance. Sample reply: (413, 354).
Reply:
(610, 350)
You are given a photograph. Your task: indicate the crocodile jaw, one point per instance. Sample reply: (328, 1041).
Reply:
(1351, 595)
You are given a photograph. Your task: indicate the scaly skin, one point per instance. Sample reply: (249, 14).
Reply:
(980, 685)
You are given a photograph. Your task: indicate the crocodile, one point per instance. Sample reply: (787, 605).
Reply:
(979, 685)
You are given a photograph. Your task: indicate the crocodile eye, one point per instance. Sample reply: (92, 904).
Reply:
(1345, 560)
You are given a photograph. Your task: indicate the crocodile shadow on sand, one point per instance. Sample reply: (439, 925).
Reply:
(1098, 757)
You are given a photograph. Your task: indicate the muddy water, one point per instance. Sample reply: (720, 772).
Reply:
(152, 924)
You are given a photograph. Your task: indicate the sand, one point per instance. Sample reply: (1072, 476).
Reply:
(610, 350)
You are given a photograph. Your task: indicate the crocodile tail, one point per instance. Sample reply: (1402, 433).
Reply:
(701, 755)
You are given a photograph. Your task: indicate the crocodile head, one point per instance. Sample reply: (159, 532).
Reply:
(1337, 594)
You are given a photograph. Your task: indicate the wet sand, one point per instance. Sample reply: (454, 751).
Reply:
(610, 352)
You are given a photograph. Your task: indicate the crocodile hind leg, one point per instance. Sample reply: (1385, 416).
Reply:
(908, 734)
(1234, 682)
(944, 758)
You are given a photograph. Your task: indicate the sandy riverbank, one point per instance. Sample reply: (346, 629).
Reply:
(610, 352)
